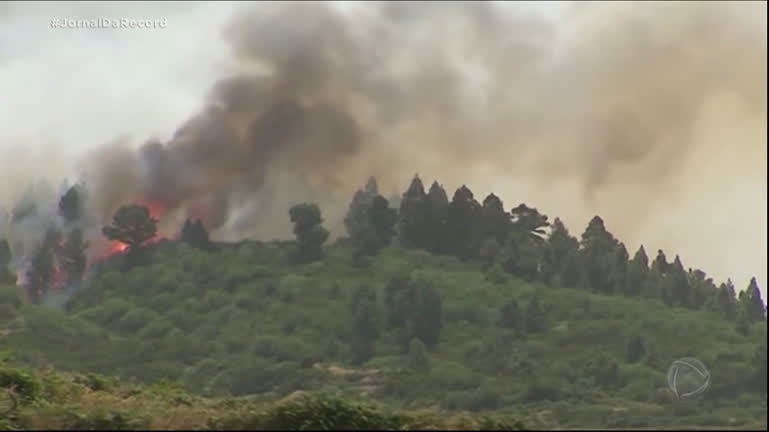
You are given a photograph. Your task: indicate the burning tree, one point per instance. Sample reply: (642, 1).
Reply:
(132, 225)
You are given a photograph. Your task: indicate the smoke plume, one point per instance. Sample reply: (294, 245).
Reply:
(645, 113)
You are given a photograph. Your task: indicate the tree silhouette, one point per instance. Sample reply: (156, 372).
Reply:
(195, 235)
(70, 204)
(132, 225)
(414, 220)
(310, 235)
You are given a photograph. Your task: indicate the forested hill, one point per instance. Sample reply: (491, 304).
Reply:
(449, 305)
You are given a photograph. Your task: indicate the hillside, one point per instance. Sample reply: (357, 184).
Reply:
(244, 320)
(447, 306)
(65, 401)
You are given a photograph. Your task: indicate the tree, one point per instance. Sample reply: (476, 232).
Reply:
(73, 257)
(417, 356)
(598, 249)
(726, 300)
(510, 316)
(677, 284)
(742, 322)
(414, 220)
(378, 229)
(751, 301)
(702, 288)
(382, 220)
(637, 273)
(559, 250)
(132, 225)
(414, 307)
(534, 318)
(657, 286)
(526, 242)
(495, 222)
(5, 260)
(70, 204)
(618, 269)
(364, 323)
(437, 217)
(310, 235)
(463, 224)
(41, 270)
(195, 234)
(356, 220)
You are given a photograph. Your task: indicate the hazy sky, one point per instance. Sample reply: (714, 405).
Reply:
(63, 91)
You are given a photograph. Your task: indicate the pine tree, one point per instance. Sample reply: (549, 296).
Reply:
(560, 248)
(618, 269)
(726, 300)
(464, 224)
(678, 284)
(526, 243)
(598, 249)
(356, 220)
(495, 222)
(752, 302)
(638, 272)
(414, 216)
(438, 215)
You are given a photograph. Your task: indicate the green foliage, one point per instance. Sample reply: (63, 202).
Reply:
(316, 412)
(20, 382)
(415, 308)
(364, 323)
(418, 359)
(310, 235)
(246, 320)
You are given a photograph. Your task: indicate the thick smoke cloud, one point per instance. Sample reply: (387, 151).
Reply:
(618, 108)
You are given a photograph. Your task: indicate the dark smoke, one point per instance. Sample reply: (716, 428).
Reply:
(612, 97)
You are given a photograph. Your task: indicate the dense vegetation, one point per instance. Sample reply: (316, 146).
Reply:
(443, 305)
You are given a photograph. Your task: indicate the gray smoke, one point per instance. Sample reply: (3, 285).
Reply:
(622, 109)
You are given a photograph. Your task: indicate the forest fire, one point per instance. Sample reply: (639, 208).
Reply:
(156, 210)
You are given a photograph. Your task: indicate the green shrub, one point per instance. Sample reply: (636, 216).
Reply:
(135, 320)
(95, 382)
(316, 412)
(24, 384)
